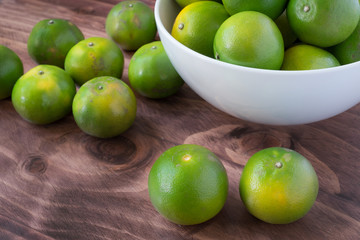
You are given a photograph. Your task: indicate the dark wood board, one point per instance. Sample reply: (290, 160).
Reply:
(56, 182)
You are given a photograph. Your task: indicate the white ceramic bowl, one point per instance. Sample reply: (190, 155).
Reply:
(271, 97)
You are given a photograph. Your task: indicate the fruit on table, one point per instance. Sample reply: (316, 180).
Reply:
(94, 57)
(51, 39)
(11, 69)
(104, 107)
(151, 73)
(44, 94)
(250, 39)
(196, 25)
(131, 24)
(273, 9)
(278, 185)
(323, 23)
(307, 57)
(188, 184)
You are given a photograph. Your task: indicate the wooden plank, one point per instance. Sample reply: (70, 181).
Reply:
(56, 182)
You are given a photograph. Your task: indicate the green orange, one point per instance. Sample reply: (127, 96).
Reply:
(94, 57)
(196, 25)
(273, 9)
(51, 39)
(323, 23)
(151, 73)
(44, 94)
(188, 184)
(11, 69)
(278, 185)
(131, 24)
(184, 3)
(288, 34)
(250, 39)
(307, 57)
(104, 107)
(348, 51)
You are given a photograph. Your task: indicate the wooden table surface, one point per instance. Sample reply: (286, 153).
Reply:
(56, 182)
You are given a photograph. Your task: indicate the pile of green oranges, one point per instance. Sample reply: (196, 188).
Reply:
(104, 106)
(187, 184)
(278, 35)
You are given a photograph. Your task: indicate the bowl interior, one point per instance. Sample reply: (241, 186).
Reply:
(167, 12)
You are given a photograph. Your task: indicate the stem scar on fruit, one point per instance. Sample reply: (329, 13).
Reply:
(41, 72)
(186, 157)
(278, 164)
(306, 8)
(51, 22)
(181, 26)
(91, 44)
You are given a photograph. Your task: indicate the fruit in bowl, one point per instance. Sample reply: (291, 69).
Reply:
(275, 97)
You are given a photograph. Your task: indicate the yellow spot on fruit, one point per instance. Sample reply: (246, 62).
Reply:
(45, 84)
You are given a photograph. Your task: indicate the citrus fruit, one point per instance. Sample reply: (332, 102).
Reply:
(44, 94)
(196, 24)
(104, 107)
(307, 57)
(278, 185)
(323, 23)
(94, 57)
(273, 9)
(183, 3)
(51, 39)
(151, 73)
(287, 33)
(348, 51)
(131, 24)
(11, 68)
(188, 184)
(250, 39)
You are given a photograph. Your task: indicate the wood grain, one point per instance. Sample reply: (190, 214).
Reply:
(56, 182)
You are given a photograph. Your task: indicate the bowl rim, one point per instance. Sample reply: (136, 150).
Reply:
(161, 28)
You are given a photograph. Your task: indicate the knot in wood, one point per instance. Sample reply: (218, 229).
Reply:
(35, 165)
(118, 151)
